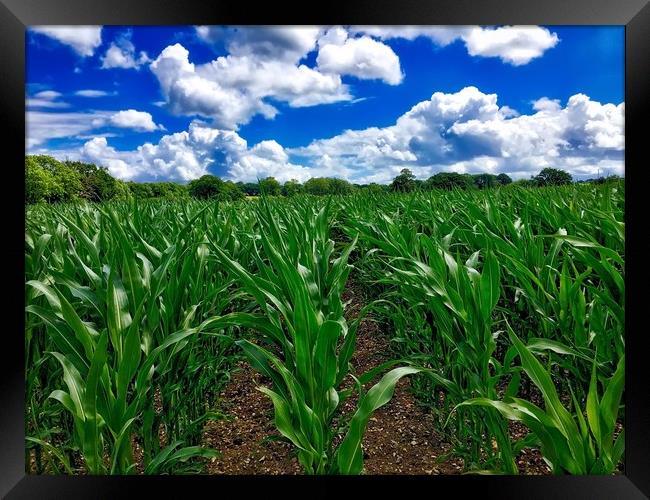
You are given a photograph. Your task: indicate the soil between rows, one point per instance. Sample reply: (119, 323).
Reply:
(400, 438)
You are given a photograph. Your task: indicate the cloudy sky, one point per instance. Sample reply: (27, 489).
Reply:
(355, 102)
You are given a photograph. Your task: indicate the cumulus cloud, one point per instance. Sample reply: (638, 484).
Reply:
(187, 155)
(289, 44)
(546, 104)
(362, 57)
(266, 159)
(83, 39)
(231, 89)
(515, 45)
(467, 131)
(121, 54)
(593, 125)
(137, 120)
(440, 35)
(98, 151)
(264, 65)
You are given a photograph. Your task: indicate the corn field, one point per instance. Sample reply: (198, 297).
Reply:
(500, 305)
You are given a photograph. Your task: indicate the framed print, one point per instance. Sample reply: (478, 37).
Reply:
(363, 246)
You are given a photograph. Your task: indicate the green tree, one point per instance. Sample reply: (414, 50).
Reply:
(66, 185)
(97, 184)
(553, 177)
(404, 182)
(292, 188)
(318, 186)
(449, 181)
(527, 183)
(140, 190)
(40, 185)
(375, 188)
(206, 187)
(122, 190)
(210, 187)
(168, 190)
(340, 186)
(249, 188)
(232, 192)
(483, 181)
(270, 186)
(503, 179)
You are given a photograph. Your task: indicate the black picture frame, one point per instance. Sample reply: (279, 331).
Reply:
(15, 15)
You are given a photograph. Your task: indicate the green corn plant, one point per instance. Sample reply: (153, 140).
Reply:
(309, 343)
(456, 303)
(98, 395)
(560, 253)
(566, 289)
(137, 301)
(570, 444)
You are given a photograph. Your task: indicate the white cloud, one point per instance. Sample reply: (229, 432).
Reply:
(594, 125)
(515, 45)
(285, 43)
(336, 35)
(121, 54)
(266, 159)
(187, 155)
(138, 120)
(232, 89)
(45, 103)
(468, 132)
(98, 151)
(263, 65)
(83, 39)
(546, 104)
(362, 57)
(440, 35)
(46, 99)
(93, 93)
(43, 126)
(48, 94)
(188, 93)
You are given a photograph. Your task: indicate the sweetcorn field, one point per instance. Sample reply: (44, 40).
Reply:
(501, 309)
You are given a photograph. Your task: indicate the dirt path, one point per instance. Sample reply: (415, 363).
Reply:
(399, 439)
(243, 438)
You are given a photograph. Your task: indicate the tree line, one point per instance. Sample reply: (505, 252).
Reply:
(48, 180)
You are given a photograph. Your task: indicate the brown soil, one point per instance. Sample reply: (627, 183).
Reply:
(243, 438)
(400, 438)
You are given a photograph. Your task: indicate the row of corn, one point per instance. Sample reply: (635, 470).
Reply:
(500, 305)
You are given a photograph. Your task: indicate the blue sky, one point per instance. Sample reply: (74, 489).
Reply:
(361, 103)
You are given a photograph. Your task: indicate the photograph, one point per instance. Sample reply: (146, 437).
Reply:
(325, 250)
